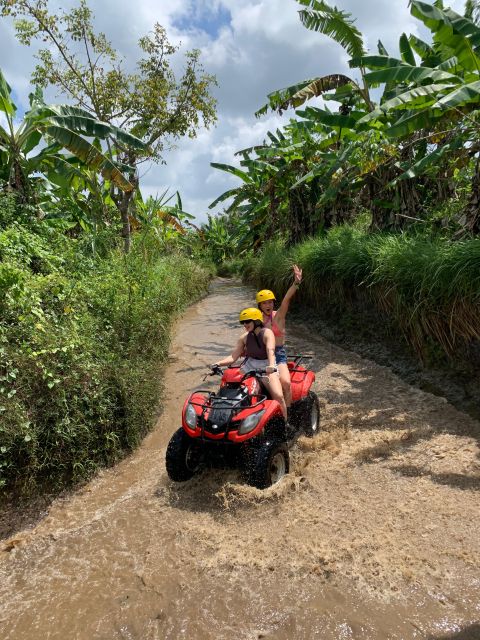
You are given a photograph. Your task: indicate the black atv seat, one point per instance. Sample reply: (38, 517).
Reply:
(234, 393)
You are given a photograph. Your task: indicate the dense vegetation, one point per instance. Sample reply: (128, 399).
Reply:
(82, 341)
(429, 287)
(92, 274)
(394, 159)
(378, 198)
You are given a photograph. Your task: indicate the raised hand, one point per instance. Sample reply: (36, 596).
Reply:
(297, 274)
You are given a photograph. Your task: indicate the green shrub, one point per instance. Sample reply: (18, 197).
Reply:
(230, 268)
(82, 343)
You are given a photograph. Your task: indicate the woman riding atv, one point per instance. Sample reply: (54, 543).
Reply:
(275, 320)
(257, 346)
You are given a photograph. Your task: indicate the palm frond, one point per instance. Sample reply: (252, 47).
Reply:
(297, 94)
(333, 22)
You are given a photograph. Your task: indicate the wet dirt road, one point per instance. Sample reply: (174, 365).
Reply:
(373, 535)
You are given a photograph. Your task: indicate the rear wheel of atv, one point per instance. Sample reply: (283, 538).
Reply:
(312, 415)
(183, 458)
(269, 464)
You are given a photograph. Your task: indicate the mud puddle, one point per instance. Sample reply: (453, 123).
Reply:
(373, 535)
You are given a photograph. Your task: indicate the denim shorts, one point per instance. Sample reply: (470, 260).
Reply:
(253, 364)
(280, 354)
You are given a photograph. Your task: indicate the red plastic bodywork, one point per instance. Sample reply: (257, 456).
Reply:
(302, 379)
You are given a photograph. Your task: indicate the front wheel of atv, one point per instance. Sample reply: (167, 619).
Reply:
(183, 458)
(269, 464)
(311, 419)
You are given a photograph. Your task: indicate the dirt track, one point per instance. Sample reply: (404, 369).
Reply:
(374, 534)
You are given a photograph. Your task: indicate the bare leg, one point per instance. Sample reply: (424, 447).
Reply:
(284, 372)
(274, 387)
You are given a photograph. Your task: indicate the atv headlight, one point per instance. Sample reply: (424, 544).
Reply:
(190, 416)
(250, 423)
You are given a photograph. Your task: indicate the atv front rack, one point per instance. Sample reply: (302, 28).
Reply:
(229, 405)
(212, 394)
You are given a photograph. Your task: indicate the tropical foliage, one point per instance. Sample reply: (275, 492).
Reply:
(82, 342)
(84, 328)
(151, 104)
(398, 158)
(56, 127)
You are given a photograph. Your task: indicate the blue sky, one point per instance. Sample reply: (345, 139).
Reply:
(209, 19)
(253, 47)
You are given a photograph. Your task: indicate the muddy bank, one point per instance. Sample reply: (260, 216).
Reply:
(373, 335)
(373, 534)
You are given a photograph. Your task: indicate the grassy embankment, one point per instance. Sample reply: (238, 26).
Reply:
(82, 342)
(429, 288)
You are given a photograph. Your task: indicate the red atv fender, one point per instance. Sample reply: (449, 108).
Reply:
(272, 410)
(196, 400)
(301, 381)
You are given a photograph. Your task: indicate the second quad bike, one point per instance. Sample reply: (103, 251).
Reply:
(241, 426)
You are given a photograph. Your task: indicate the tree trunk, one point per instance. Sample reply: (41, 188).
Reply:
(122, 201)
(472, 212)
(17, 181)
(408, 203)
(126, 231)
(383, 217)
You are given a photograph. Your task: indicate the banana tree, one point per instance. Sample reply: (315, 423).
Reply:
(249, 198)
(155, 217)
(56, 127)
(72, 195)
(320, 17)
(270, 200)
(436, 101)
(422, 106)
(385, 156)
(221, 237)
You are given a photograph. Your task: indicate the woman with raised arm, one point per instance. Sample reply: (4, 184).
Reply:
(275, 320)
(257, 347)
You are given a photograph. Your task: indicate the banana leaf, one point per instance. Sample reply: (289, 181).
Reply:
(407, 73)
(406, 50)
(297, 94)
(6, 103)
(235, 171)
(430, 160)
(333, 22)
(88, 154)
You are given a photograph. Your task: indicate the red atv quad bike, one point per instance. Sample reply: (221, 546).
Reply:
(241, 426)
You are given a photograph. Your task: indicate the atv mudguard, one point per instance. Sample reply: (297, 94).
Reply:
(301, 379)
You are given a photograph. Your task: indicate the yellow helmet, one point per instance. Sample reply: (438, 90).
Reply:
(251, 314)
(264, 294)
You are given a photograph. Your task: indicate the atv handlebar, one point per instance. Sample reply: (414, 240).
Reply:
(215, 370)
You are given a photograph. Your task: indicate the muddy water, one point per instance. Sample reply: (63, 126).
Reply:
(373, 535)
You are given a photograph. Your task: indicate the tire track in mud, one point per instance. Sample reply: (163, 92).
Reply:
(374, 534)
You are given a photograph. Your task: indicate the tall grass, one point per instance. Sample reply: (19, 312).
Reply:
(430, 287)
